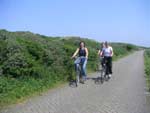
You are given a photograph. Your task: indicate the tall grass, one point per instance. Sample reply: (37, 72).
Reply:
(147, 67)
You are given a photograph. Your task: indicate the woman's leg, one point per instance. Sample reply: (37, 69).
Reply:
(84, 68)
(107, 65)
(110, 65)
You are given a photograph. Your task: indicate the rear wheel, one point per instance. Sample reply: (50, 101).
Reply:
(98, 80)
(102, 80)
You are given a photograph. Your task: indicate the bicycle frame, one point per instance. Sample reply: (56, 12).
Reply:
(78, 73)
(79, 70)
(103, 76)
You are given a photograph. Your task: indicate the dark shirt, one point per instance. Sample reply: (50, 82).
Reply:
(82, 52)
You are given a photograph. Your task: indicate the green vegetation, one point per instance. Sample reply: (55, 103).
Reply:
(122, 49)
(147, 67)
(32, 63)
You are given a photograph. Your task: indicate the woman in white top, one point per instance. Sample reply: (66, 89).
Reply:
(107, 52)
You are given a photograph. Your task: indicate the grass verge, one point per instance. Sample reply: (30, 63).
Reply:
(147, 67)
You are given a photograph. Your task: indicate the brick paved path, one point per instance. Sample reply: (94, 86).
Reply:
(124, 93)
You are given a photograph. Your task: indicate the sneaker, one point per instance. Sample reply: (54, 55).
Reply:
(109, 76)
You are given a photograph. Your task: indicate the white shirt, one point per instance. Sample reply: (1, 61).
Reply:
(107, 51)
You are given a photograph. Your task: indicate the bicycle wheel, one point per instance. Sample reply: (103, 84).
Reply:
(103, 72)
(106, 73)
(99, 79)
(77, 77)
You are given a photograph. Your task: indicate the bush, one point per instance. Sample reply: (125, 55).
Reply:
(147, 62)
(147, 67)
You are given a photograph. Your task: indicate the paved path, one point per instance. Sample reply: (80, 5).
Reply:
(124, 93)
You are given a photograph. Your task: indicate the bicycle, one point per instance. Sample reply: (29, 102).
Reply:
(79, 77)
(103, 73)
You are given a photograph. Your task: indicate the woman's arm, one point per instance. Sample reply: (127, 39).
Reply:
(99, 51)
(87, 53)
(112, 53)
(75, 53)
(102, 53)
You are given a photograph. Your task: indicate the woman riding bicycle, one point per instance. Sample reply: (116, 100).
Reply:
(82, 52)
(108, 53)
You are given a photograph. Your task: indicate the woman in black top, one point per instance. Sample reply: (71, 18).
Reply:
(82, 52)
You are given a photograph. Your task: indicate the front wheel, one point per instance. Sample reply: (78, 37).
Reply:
(77, 78)
(103, 73)
(102, 80)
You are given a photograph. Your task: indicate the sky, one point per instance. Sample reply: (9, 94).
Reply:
(102, 20)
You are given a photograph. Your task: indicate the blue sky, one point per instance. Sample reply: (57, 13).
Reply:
(101, 20)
